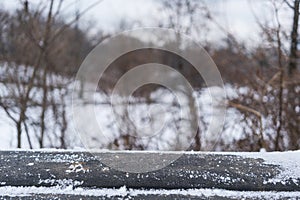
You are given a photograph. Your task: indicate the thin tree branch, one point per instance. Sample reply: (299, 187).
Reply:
(62, 29)
(288, 4)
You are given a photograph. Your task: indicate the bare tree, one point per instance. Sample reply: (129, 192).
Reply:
(182, 17)
(40, 62)
(293, 55)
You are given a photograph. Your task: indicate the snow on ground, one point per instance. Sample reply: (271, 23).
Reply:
(123, 192)
(7, 128)
(152, 123)
(158, 116)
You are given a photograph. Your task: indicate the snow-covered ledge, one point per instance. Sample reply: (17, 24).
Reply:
(241, 172)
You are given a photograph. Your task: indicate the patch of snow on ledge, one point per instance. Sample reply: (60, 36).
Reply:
(123, 191)
(288, 161)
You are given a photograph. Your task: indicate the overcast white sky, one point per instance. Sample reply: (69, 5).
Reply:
(235, 15)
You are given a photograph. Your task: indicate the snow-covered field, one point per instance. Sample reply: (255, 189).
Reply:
(159, 125)
(154, 123)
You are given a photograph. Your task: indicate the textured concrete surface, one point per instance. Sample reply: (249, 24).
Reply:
(86, 170)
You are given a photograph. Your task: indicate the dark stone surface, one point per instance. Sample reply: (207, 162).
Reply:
(230, 172)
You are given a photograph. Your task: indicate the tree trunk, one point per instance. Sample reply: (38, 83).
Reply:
(19, 133)
(294, 39)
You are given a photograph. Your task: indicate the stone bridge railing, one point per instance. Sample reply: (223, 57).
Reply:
(27, 171)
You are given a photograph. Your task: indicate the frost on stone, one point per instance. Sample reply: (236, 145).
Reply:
(288, 162)
(30, 164)
(128, 192)
(62, 183)
(77, 167)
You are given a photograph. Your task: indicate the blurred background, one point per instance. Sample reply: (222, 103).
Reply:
(254, 44)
